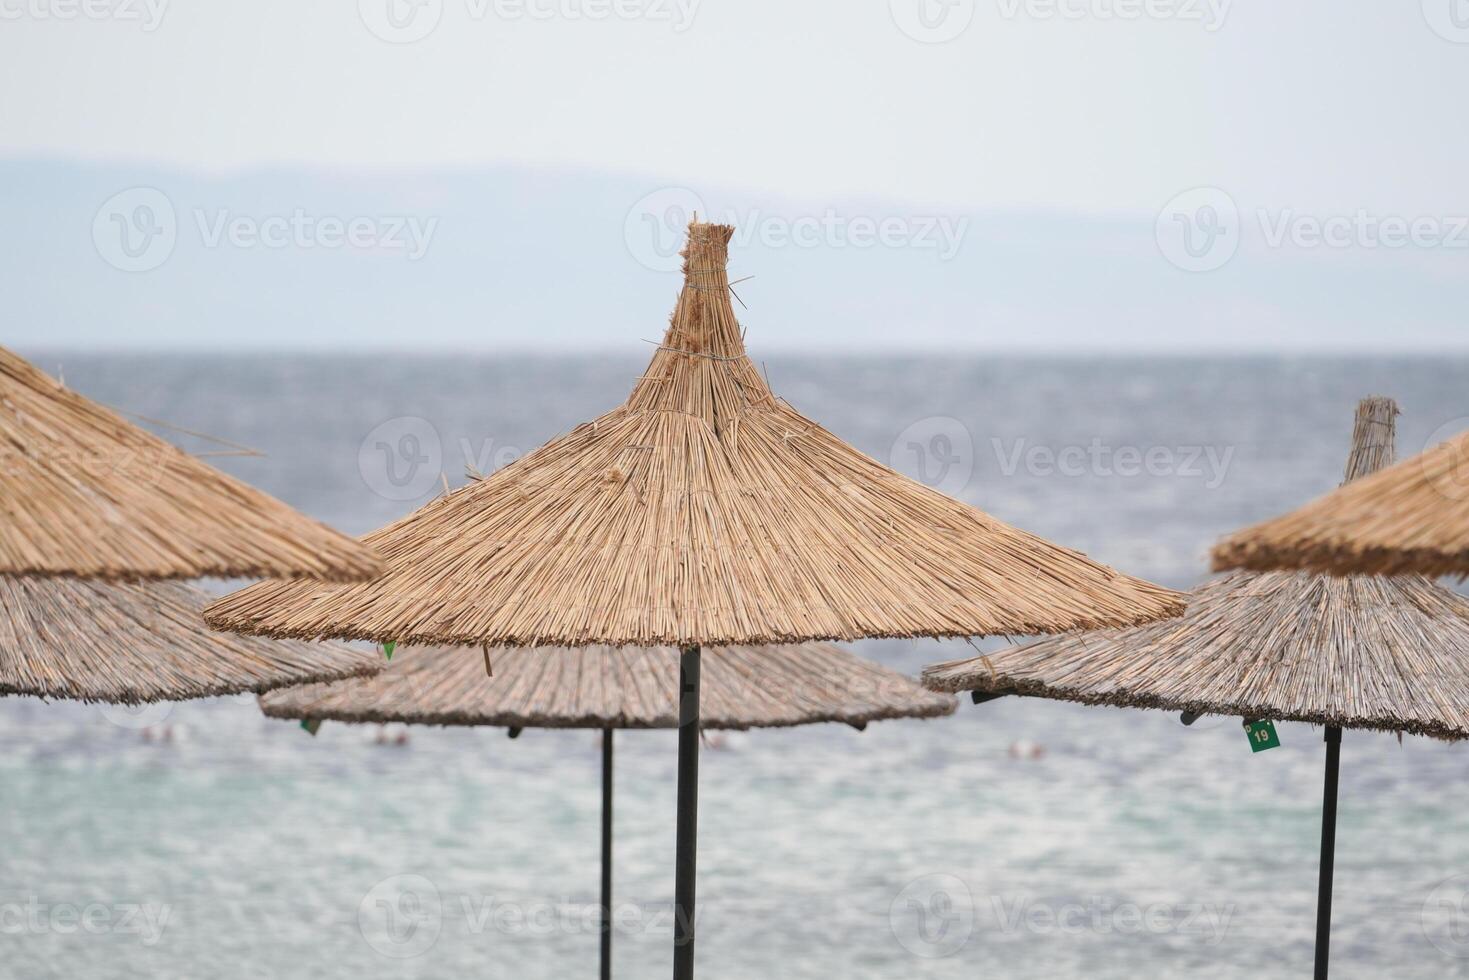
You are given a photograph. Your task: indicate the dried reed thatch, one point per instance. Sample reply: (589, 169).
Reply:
(129, 643)
(1411, 518)
(704, 510)
(87, 493)
(628, 687)
(1353, 652)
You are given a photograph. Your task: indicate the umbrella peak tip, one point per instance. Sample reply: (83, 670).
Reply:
(706, 248)
(1374, 437)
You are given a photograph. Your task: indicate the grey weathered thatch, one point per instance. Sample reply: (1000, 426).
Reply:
(704, 510)
(1352, 652)
(1411, 518)
(89, 494)
(627, 687)
(130, 643)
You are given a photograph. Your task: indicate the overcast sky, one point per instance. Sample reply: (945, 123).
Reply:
(1311, 103)
(1066, 106)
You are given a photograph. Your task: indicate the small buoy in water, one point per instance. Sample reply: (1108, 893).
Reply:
(1027, 750)
(163, 733)
(390, 735)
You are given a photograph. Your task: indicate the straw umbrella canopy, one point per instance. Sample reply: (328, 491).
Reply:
(608, 688)
(1390, 654)
(133, 643)
(1412, 518)
(86, 493)
(704, 511)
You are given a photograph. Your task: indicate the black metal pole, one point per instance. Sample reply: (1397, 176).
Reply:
(688, 814)
(606, 854)
(1328, 852)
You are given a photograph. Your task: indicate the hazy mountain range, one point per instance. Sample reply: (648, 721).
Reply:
(515, 257)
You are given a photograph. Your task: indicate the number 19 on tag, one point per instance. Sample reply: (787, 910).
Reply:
(1262, 735)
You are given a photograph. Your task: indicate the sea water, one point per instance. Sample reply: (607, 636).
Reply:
(1021, 838)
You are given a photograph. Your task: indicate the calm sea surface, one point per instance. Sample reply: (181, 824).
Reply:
(1019, 839)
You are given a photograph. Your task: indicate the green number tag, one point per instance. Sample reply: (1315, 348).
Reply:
(311, 725)
(389, 647)
(1262, 735)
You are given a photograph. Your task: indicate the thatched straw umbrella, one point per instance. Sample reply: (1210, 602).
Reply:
(704, 511)
(95, 508)
(95, 511)
(133, 643)
(1390, 654)
(1412, 518)
(88, 494)
(608, 688)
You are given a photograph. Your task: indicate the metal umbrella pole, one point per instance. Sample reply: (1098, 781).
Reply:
(688, 814)
(1328, 852)
(606, 854)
